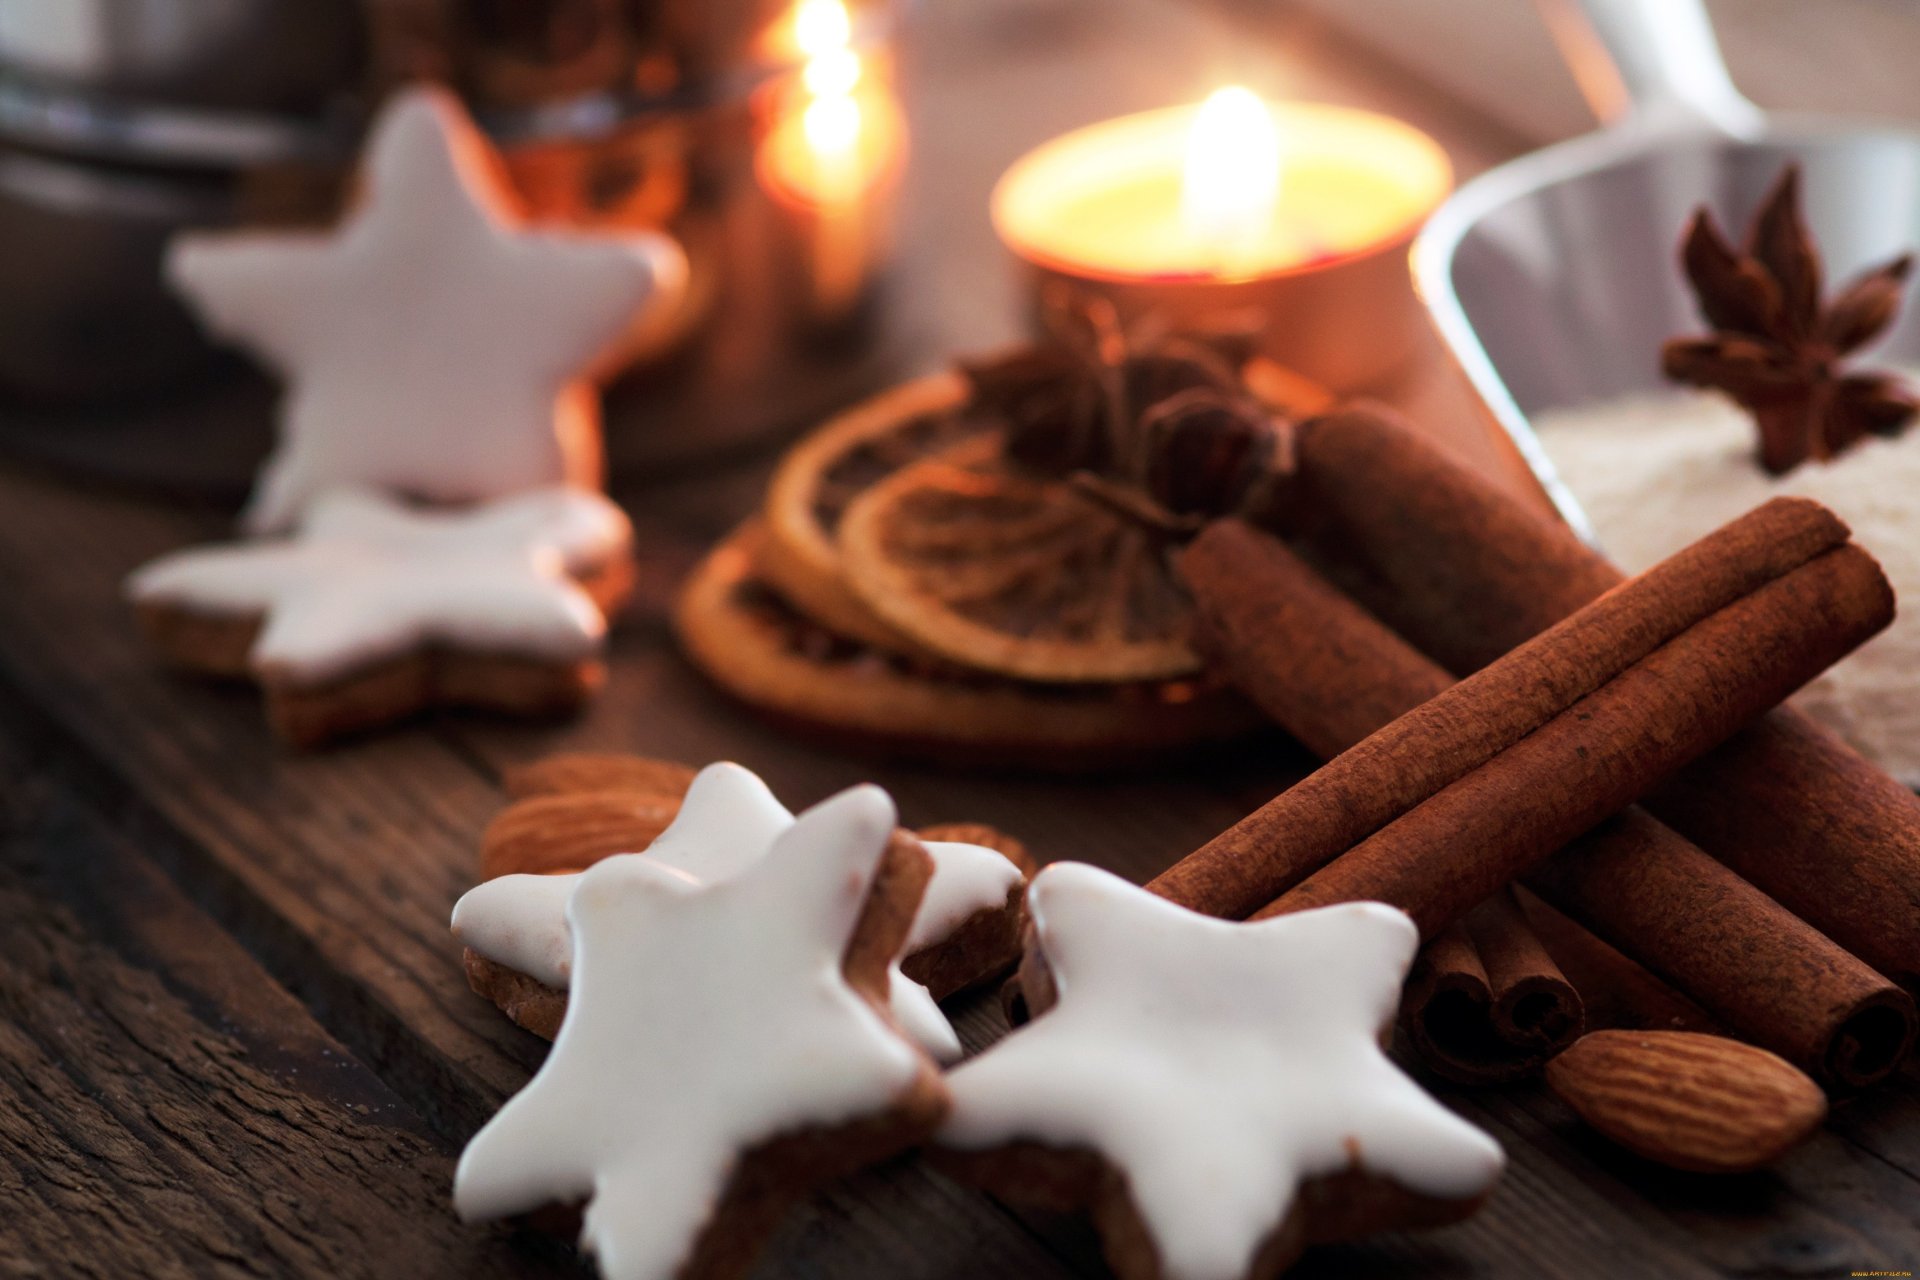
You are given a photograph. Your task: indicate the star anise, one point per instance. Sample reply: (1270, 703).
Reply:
(1775, 350)
(1159, 426)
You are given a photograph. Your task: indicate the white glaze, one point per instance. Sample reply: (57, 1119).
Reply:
(431, 344)
(704, 1019)
(967, 878)
(1217, 1065)
(729, 820)
(366, 579)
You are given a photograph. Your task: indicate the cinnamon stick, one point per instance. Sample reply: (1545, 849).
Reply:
(1618, 992)
(1485, 1002)
(1320, 666)
(1465, 726)
(1850, 1034)
(1602, 753)
(1466, 571)
(1479, 995)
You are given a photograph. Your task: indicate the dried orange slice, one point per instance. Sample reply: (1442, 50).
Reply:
(800, 552)
(995, 570)
(759, 649)
(820, 479)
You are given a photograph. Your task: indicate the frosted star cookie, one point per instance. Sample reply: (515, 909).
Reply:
(372, 610)
(519, 951)
(1214, 1092)
(431, 344)
(723, 1051)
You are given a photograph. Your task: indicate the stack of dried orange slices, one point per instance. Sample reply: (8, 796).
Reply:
(973, 567)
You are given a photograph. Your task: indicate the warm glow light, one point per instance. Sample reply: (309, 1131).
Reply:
(1230, 183)
(832, 73)
(832, 125)
(821, 26)
(838, 129)
(1196, 193)
(831, 119)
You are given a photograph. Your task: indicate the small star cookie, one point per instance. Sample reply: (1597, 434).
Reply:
(723, 1050)
(1215, 1092)
(373, 610)
(432, 345)
(520, 951)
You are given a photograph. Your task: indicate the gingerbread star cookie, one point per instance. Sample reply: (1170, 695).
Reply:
(432, 344)
(1215, 1092)
(373, 610)
(723, 1051)
(520, 951)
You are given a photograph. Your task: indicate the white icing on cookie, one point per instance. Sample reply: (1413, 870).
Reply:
(431, 344)
(366, 579)
(1217, 1065)
(967, 878)
(727, 822)
(704, 1019)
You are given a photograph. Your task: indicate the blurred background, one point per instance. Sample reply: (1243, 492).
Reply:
(826, 163)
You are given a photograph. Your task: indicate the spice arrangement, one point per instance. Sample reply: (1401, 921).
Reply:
(970, 567)
(1704, 1038)
(1782, 411)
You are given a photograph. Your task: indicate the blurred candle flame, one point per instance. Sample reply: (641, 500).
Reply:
(1230, 183)
(823, 29)
(832, 125)
(821, 26)
(836, 129)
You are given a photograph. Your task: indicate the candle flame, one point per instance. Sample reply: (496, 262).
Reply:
(1230, 184)
(832, 125)
(834, 130)
(821, 27)
(831, 120)
(833, 73)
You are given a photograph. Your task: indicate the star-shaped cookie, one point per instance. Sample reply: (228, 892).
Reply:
(728, 821)
(1215, 1092)
(431, 344)
(722, 1051)
(373, 610)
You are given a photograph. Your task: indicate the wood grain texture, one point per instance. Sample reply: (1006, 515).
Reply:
(165, 1108)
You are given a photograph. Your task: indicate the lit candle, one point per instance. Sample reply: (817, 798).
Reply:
(839, 133)
(831, 154)
(1303, 212)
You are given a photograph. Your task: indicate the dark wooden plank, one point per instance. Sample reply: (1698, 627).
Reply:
(338, 869)
(167, 1110)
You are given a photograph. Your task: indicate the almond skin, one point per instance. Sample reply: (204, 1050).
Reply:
(1691, 1101)
(584, 771)
(544, 834)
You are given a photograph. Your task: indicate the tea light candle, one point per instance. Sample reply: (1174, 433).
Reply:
(1303, 212)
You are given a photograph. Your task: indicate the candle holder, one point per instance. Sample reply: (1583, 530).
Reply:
(1105, 212)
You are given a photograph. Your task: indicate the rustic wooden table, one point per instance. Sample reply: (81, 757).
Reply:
(234, 1036)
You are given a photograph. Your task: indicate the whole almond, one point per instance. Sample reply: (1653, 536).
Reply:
(570, 832)
(586, 771)
(1688, 1100)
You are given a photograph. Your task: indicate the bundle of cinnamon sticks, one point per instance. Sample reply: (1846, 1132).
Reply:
(1770, 885)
